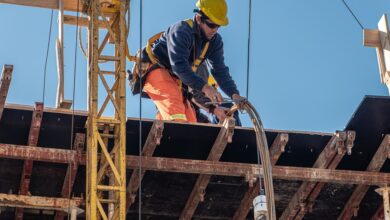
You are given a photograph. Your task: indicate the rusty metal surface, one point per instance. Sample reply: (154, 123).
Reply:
(5, 81)
(71, 172)
(352, 207)
(164, 193)
(371, 121)
(153, 139)
(198, 192)
(33, 136)
(277, 148)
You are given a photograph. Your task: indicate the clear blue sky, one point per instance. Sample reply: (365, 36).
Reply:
(308, 67)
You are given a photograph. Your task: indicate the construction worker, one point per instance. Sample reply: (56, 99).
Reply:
(170, 59)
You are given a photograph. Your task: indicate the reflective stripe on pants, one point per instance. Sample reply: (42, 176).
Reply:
(166, 94)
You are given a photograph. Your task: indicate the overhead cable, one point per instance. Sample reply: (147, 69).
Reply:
(351, 12)
(140, 117)
(248, 49)
(47, 56)
(73, 106)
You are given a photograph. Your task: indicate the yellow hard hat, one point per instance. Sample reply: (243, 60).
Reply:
(216, 10)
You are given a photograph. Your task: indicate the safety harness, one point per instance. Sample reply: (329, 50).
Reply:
(197, 61)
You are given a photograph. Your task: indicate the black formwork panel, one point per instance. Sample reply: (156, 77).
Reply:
(165, 194)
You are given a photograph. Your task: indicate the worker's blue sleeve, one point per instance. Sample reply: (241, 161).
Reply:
(218, 68)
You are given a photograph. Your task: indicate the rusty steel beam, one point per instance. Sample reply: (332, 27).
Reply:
(5, 81)
(241, 169)
(71, 172)
(332, 154)
(153, 139)
(197, 195)
(342, 149)
(43, 154)
(204, 166)
(28, 164)
(277, 148)
(379, 213)
(38, 202)
(351, 208)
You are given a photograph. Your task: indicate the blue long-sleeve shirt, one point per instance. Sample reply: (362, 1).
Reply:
(175, 51)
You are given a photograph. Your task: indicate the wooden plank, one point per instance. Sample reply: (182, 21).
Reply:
(153, 139)
(371, 38)
(383, 28)
(352, 206)
(5, 81)
(330, 156)
(71, 172)
(28, 164)
(69, 5)
(277, 148)
(175, 165)
(197, 195)
(82, 21)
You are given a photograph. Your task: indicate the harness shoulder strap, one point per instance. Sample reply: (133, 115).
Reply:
(190, 22)
(154, 60)
(148, 48)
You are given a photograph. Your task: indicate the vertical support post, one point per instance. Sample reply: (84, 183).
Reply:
(28, 164)
(92, 161)
(380, 39)
(73, 214)
(60, 101)
(5, 81)
(113, 158)
(384, 192)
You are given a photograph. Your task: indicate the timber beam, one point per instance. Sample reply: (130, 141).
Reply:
(41, 203)
(351, 208)
(71, 172)
(204, 167)
(304, 198)
(82, 21)
(153, 139)
(277, 148)
(380, 39)
(5, 81)
(198, 192)
(69, 5)
(28, 164)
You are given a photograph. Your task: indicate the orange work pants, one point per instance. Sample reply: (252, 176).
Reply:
(166, 94)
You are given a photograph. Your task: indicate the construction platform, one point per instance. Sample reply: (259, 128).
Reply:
(314, 175)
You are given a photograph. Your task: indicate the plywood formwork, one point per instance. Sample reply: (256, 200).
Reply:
(172, 161)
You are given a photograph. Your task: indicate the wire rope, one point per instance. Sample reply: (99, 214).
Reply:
(354, 16)
(248, 49)
(46, 59)
(140, 119)
(73, 108)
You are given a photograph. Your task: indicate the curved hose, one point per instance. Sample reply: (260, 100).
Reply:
(262, 149)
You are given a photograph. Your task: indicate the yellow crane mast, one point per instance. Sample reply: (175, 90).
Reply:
(106, 165)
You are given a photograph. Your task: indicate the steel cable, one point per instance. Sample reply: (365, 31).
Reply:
(47, 56)
(140, 120)
(354, 16)
(73, 107)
